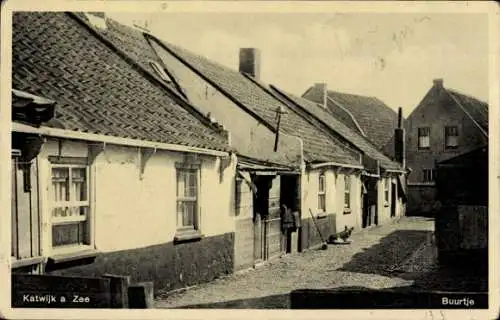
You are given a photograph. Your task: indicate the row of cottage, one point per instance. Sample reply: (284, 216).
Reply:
(131, 155)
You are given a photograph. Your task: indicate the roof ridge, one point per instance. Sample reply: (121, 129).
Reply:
(126, 57)
(457, 92)
(375, 149)
(461, 106)
(349, 113)
(166, 44)
(262, 85)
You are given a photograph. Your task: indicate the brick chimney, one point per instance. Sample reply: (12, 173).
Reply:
(323, 89)
(250, 62)
(399, 140)
(438, 83)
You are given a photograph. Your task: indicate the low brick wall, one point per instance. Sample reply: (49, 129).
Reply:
(309, 235)
(169, 266)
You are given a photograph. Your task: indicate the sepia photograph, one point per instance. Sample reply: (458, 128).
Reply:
(176, 156)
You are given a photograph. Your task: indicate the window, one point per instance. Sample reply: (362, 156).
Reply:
(429, 175)
(322, 193)
(187, 198)
(451, 137)
(347, 191)
(160, 71)
(237, 196)
(386, 190)
(424, 137)
(70, 205)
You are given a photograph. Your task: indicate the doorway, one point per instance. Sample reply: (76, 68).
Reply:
(393, 200)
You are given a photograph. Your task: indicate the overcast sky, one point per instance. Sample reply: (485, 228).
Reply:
(394, 56)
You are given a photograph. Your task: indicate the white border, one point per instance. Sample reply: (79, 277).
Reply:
(246, 6)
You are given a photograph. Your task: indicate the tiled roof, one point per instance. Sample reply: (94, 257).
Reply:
(376, 119)
(97, 90)
(343, 130)
(318, 146)
(477, 109)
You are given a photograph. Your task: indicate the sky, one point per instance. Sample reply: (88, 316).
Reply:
(392, 56)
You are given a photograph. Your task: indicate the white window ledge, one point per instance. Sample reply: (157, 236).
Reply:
(187, 236)
(62, 256)
(24, 262)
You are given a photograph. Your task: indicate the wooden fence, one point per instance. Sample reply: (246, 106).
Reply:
(462, 230)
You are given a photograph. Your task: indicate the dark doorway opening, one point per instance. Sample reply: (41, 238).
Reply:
(289, 198)
(393, 200)
(369, 202)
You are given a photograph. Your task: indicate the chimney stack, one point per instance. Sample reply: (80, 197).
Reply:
(323, 88)
(399, 140)
(97, 19)
(250, 62)
(438, 83)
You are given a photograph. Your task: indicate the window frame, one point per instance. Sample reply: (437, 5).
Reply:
(447, 135)
(70, 164)
(322, 192)
(347, 192)
(386, 190)
(184, 167)
(419, 136)
(432, 174)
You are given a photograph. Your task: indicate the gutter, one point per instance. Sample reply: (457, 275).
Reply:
(78, 135)
(334, 164)
(395, 171)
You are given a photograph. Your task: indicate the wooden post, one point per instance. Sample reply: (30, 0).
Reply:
(141, 295)
(119, 290)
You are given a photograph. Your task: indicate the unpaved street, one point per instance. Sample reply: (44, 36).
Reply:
(385, 256)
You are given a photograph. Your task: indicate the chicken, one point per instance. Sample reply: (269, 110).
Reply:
(344, 235)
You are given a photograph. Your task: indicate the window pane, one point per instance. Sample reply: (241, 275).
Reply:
(188, 214)
(452, 141)
(347, 200)
(66, 234)
(424, 142)
(79, 183)
(321, 182)
(180, 183)
(321, 203)
(192, 190)
(60, 184)
(180, 210)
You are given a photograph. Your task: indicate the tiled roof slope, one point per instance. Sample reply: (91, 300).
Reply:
(375, 118)
(336, 125)
(318, 146)
(314, 94)
(131, 41)
(96, 90)
(476, 108)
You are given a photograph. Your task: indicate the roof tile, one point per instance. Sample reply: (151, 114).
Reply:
(476, 108)
(376, 119)
(338, 126)
(318, 146)
(97, 90)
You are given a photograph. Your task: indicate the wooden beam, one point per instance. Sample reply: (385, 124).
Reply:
(144, 155)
